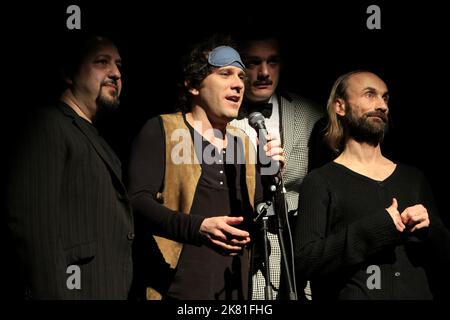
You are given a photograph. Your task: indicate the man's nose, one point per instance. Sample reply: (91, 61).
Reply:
(237, 84)
(114, 72)
(263, 71)
(382, 105)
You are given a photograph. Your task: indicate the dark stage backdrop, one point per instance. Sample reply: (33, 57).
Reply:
(322, 40)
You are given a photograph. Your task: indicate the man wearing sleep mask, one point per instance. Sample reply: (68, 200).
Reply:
(199, 206)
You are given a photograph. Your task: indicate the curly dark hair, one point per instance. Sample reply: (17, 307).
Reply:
(195, 67)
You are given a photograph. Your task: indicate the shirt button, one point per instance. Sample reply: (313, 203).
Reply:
(130, 236)
(397, 274)
(221, 182)
(221, 171)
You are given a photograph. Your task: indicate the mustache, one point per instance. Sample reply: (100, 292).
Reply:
(109, 81)
(383, 116)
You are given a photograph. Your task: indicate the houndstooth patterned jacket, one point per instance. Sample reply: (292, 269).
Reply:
(297, 118)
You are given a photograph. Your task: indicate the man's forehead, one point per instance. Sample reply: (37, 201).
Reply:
(107, 49)
(363, 80)
(262, 46)
(230, 68)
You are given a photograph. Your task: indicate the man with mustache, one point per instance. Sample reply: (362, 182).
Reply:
(368, 227)
(288, 116)
(69, 213)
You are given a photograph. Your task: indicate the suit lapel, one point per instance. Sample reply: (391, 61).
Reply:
(82, 126)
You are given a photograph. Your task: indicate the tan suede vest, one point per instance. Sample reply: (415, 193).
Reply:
(182, 173)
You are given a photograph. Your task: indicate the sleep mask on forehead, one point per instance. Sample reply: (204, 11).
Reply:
(225, 56)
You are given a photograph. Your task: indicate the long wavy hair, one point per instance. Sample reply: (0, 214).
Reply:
(334, 132)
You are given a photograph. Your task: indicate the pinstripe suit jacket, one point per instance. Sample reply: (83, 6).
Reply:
(68, 206)
(297, 119)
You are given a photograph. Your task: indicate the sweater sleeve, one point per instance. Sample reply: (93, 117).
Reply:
(438, 235)
(146, 174)
(319, 253)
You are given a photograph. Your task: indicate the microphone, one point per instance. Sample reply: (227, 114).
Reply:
(256, 121)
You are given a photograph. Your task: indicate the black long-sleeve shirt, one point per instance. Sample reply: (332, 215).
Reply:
(343, 228)
(201, 273)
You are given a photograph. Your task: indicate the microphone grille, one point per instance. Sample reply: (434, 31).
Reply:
(255, 118)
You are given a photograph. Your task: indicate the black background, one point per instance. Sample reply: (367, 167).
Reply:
(323, 41)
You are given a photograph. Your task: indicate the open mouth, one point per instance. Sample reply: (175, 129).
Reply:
(233, 98)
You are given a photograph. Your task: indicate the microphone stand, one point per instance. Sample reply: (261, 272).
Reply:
(280, 204)
(277, 194)
(264, 212)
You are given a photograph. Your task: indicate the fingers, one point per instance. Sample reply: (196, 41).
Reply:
(394, 204)
(269, 138)
(399, 225)
(222, 236)
(393, 207)
(395, 215)
(272, 142)
(273, 151)
(423, 224)
(273, 147)
(234, 232)
(225, 246)
(241, 242)
(412, 218)
(415, 216)
(233, 220)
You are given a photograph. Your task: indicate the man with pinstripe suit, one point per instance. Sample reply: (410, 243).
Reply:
(287, 115)
(68, 212)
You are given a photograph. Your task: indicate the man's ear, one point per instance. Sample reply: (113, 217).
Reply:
(66, 78)
(192, 90)
(339, 107)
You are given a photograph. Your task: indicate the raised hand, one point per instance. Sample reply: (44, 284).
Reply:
(395, 215)
(415, 218)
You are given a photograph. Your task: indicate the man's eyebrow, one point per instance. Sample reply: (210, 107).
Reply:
(372, 89)
(253, 57)
(108, 56)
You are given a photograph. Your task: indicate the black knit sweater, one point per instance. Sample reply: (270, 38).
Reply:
(344, 233)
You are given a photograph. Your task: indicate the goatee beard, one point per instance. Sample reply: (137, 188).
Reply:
(107, 104)
(362, 130)
(104, 107)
